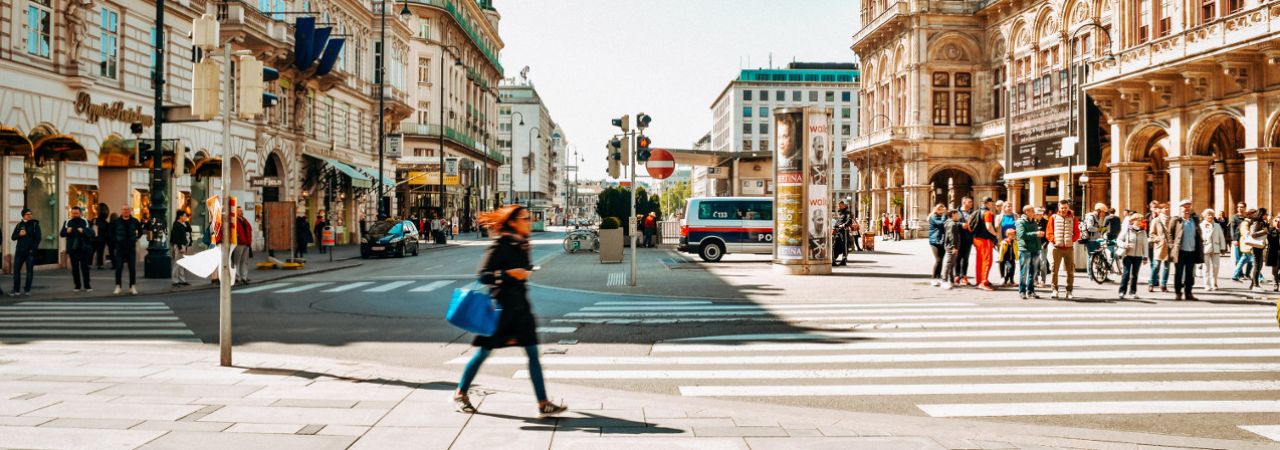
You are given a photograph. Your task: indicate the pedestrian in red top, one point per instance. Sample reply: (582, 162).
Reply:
(897, 227)
(985, 234)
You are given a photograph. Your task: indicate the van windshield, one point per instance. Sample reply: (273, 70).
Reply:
(735, 210)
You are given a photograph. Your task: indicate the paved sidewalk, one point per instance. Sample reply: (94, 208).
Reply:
(57, 283)
(903, 265)
(82, 395)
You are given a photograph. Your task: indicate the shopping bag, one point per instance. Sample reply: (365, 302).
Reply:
(473, 311)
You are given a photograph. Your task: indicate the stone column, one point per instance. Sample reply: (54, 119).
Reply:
(1096, 189)
(983, 191)
(1189, 179)
(919, 207)
(1015, 194)
(1261, 167)
(1035, 191)
(1129, 186)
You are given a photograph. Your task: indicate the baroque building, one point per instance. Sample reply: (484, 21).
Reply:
(975, 98)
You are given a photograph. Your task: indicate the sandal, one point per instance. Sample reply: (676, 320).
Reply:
(549, 409)
(462, 404)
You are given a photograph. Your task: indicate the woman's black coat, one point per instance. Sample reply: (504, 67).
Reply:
(516, 325)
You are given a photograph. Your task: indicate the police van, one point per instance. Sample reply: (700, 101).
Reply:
(715, 226)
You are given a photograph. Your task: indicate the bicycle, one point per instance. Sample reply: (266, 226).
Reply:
(1103, 261)
(582, 239)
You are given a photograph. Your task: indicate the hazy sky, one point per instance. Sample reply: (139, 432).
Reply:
(593, 60)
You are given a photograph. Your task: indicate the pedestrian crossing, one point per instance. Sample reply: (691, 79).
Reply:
(112, 321)
(331, 287)
(954, 359)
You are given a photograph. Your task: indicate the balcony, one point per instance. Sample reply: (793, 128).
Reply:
(883, 137)
(887, 23)
(465, 25)
(989, 129)
(417, 129)
(257, 31)
(1242, 28)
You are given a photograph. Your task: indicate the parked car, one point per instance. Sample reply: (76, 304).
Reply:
(715, 226)
(390, 237)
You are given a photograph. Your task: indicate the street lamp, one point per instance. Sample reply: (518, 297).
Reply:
(382, 104)
(158, 262)
(511, 184)
(456, 62)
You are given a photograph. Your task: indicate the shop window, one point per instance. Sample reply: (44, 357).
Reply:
(109, 44)
(39, 28)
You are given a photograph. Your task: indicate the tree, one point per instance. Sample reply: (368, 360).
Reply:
(672, 199)
(616, 202)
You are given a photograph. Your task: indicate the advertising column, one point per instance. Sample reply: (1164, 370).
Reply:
(802, 222)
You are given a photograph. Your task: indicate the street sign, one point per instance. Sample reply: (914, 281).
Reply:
(265, 181)
(395, 145)
(661, 164)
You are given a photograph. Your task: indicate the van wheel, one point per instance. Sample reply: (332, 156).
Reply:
(711, 252)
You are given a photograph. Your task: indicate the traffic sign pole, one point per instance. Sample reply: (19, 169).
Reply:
(634, 239)
(661, 164)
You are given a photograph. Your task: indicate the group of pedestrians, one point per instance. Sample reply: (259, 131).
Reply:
(1040, 243)
(891, 227)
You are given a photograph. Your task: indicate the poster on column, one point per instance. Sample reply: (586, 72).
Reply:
(818, 155)
(789, 195)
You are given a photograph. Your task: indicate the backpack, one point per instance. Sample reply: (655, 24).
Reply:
(976, 226)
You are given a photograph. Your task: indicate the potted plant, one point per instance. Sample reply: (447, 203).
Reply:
(611, 240)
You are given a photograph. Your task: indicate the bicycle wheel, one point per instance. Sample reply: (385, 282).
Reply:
(569, 244)
(1098, 269)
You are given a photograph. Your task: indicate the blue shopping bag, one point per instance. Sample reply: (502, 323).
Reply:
(473, 311)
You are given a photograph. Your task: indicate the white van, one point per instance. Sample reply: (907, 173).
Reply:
(714, 226)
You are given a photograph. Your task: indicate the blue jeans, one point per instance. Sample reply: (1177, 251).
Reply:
(1159, 273)
(1027, 263)
(1129, 279)
(535, 370)
(1244, 265)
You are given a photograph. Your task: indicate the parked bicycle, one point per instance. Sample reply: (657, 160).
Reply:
(582, 239)
(1103, 261)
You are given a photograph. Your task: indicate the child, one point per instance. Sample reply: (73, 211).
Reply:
(1008, 257)
(951, 244)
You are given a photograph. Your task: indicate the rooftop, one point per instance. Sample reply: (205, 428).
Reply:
(805, 72)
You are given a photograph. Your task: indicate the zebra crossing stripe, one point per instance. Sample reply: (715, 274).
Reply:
(881, 358)
(1271, 432)
(432, 286)
(389, 286)
(91, 304)
(764, 307)
(174, 323)
(871, 323)
(348, 286)
(1082, 408)
(87, 319)
(264, 287)
(1055, 387)
(929, 372)
(305, 287)
(970, 312)
(78, 332)
(9, 313)
(671, 343)
(1031, 343)
(753, 315)
(650, 303)
(21, 307)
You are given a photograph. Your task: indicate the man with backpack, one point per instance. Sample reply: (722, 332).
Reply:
(985, 233)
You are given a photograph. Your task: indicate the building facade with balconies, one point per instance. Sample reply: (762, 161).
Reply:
(454, 57)
(975, 98)
(530, 139)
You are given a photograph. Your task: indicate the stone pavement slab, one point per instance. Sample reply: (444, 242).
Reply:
(71, 438)
(844, 443)
(290, 415)
(396, 438)
(648, 443)
(85, 410)
(183, 440)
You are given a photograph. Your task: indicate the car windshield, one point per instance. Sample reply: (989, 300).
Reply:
(385, 228)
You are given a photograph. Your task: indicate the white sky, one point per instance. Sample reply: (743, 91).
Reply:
(593, 60)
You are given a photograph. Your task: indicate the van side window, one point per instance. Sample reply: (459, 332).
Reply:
(718, 210)
(756, 210)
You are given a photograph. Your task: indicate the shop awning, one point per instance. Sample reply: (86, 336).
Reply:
(14, 143)
(59, 147)
(117, 153)
(210, 166)
(358, 179)
(371, 174)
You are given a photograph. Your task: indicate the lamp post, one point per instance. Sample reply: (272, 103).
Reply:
(158, 263)
(457, 62)
(1075, 100)
(511, 164)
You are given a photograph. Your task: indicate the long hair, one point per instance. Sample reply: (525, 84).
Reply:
(499, 220)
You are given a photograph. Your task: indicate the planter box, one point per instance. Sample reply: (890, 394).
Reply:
(869, 242)
(611, 246)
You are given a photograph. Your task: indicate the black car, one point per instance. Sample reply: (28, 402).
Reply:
(390, 237)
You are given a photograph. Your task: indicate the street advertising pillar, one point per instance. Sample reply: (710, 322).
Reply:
(802, 219)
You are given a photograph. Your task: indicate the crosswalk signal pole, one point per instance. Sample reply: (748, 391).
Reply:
(224, 271)
(631, 220)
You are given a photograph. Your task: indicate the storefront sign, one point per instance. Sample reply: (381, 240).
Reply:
(265, 181)
(802, 232)
(451, 177)
(110, 111)
(395, 144)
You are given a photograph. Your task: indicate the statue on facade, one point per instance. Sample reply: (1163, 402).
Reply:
(76, 16)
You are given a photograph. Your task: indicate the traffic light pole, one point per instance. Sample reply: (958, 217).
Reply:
(635, 248)
(158, 263)
(224, 269)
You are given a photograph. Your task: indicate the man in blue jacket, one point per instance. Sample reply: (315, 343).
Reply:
(937, 232)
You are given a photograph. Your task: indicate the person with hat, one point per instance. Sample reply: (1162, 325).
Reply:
(1186, 251)
(27, 234)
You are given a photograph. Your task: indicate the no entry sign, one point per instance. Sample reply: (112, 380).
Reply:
(661, 164)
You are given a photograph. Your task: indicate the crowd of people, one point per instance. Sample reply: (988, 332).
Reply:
(1036, 248)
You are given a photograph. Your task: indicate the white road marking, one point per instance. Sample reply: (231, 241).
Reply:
(956, 334)
(131, 332)
(763, 307)
(1080, 408)
(868, 323)
(970, 312)
(1031, 343)
(91, 304)
(60, 309)
(173, 323)
(882, 358)
(649, 303)
(348, 286)
(563, 330)
(106, 312)
(305, 287)
(1055, 387)
(816, 374)
(389, 286)
(87, 318)
(1271, 432)
(261, 288)
(615, 279)
(431, 286)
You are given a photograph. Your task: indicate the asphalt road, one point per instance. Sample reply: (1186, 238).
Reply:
(1185, 369)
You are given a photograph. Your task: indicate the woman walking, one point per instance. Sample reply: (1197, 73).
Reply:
(1132, 242)
(1215, 244)
(1273, 252)
(506, 268)
(1258, 230)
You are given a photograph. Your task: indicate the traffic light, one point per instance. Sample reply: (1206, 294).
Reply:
(206, 83)
(642, 148)
(642, 121)
(253, 78)
(611, 154)
(623, 122)
(624, 151)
